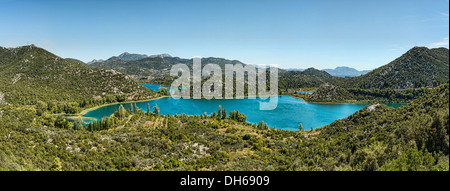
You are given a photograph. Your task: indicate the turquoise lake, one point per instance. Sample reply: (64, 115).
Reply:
(301, 92)
(289, 113)
(154, 87)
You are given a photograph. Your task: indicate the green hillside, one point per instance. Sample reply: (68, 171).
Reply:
(412, 137)
(419, 67)
(408, 77)
(333, 93)
(30, 74)
(150, 67)
(309, 78)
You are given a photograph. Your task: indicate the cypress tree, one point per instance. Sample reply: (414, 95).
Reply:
(224, 113)
(121, 111)
(156, 109)
(300, 128)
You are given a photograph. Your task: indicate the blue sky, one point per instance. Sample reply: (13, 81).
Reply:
(292, 34)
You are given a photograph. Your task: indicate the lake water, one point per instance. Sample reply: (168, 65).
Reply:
(289, 113)
(154, 87)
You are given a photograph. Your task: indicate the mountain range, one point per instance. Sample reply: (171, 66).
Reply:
(30, 73)
(419, 67)
(131, 57)
(150, 67)
(340, 71)
(344, 71)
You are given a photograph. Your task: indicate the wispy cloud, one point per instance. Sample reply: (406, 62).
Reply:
(443, 43)
(444, 16)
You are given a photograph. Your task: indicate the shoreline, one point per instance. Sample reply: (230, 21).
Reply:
(344, 102)
(83, 112)
(315, 102)
(80, 115)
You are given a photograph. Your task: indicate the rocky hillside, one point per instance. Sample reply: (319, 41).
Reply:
(419, 67)
(29, 74)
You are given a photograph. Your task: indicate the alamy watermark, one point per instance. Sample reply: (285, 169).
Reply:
(212, 88)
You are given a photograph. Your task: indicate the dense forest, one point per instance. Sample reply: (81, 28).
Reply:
(412, 137)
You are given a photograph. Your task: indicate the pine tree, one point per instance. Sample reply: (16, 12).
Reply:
(148, 109)
(300, 128)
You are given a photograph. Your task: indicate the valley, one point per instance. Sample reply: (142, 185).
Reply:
(340, 125)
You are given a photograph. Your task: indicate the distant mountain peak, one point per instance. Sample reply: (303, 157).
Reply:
(311, 69)
(131, 57)
(126, 56)
(316, 72)
(293, 69)
(345, 71)
(95, 61)
(416, 48)
(123, 54)
(164, 55)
